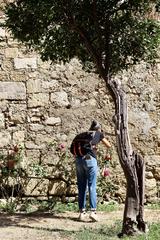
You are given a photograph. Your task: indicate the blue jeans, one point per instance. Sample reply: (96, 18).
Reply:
(86, 176)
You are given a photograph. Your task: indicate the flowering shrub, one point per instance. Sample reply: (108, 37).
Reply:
(57, 165)
(59, 170)
(13, 156)
(106, 187)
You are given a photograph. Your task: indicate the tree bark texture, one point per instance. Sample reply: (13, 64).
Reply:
(132, 165)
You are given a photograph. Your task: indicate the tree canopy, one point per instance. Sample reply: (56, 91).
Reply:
(113, 34)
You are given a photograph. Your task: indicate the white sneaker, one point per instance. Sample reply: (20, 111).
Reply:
(82, 216)
(93, 216)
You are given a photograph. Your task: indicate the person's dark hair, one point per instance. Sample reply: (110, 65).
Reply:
(94, 126)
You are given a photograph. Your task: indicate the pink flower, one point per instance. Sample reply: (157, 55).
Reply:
(105, 172)
(61, 146)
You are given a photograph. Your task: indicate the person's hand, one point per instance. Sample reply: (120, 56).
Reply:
(106, 142)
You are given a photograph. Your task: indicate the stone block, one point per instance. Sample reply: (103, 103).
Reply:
(157, 174)
(55, 75)
(2, 51)
(2, 33)
(35, 119)
(51, 159)
(58, 188)
(43, 139)
(19, 136)
(25, 63)
(51, 85)
(143, 119)
(151, 187)
(13, 42)
(11, 52)
(90, 102)
(75, 102)
(35, 127)
(37, 186)
(157, 130)
(32, 156)
(3, 44)
(17, 113)
(152, 160)
(46, 65)
(12, 91)
(17, 76)
(2, 121)
(38, 100)
(60, 98)
(53, 121)
(5, 139)
(33, 75)
(72, 189)
(3, 105)
(34, 86)
(48, 129)
(7, 65)
(4, 76)
(62, 137)
(149, 175)
(32, 146)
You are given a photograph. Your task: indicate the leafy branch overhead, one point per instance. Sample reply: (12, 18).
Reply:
(110, 33)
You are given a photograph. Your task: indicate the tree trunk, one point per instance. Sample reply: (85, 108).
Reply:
(132, 165)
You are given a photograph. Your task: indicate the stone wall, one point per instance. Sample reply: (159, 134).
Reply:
(42, 103)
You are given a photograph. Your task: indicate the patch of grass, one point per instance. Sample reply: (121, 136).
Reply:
(154, 206)
(110, 233)
(63, 207)
(30, 206)
(108, 207)
(153, 234)
(55, 206)
(9, 207)
(102, 233)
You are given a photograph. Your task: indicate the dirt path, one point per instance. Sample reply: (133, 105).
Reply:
(47, 226)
